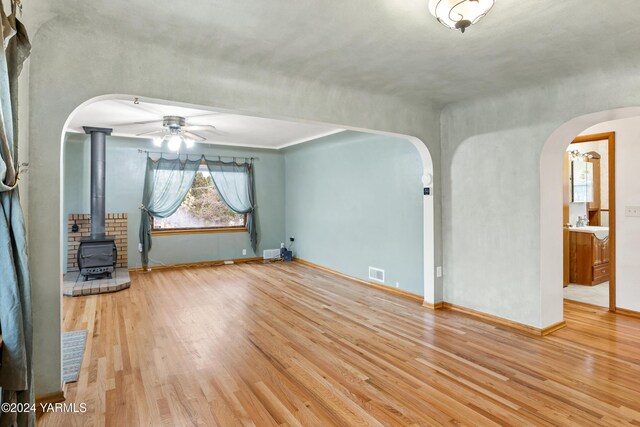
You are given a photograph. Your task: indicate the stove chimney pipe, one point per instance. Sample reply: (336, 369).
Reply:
(98, 175)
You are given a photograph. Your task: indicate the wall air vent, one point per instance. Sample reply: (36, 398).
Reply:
(376, 274)
(271, 253)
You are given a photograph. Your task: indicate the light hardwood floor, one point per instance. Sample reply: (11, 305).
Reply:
(288, 345)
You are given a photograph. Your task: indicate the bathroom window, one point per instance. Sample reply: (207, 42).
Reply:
(582, 181)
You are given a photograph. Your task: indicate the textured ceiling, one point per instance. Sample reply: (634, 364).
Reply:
(384, 46)
(129, 119)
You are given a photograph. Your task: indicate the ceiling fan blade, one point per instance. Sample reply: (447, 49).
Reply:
(200, 127)
(148, 122)
(139, 105)
(209, 114)
(144, 109)
(194, 136)
(153, 132)
(205, 128)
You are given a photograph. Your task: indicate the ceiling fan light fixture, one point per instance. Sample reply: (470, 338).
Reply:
(459, 14)
(176, 132)
(175, 141)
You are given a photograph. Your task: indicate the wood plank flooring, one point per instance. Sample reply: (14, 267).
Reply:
(289, 345)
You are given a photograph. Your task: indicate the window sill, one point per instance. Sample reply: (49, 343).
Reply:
(199, 231)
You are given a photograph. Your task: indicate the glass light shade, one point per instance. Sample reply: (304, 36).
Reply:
(459, 14)
(157, 142)
(175, 142)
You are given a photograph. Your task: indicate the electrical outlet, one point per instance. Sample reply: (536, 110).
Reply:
(281, 245)
(632, 211)
(140, 247)
(438, 271)
(244, 252)
(397, 284)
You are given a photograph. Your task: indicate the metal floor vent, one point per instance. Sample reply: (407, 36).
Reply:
(376, 274)
(271, 253)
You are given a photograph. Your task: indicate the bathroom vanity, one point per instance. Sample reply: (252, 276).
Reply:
(589, 255)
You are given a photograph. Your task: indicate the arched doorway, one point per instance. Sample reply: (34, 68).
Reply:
(427, 179)
(551, 202)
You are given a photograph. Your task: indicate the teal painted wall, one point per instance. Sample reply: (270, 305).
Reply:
(125, 179)
(354, 200)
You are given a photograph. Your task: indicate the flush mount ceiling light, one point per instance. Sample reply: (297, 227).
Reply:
(459, 14)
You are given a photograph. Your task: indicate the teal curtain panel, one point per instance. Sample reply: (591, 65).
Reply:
(235, 184)
(166, 184)
(16, 326)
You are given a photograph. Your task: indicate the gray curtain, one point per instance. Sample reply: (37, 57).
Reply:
(16, 327)
(235, 184)
(166, 184)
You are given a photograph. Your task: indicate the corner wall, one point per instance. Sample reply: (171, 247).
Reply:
(355, 200)
(491, 151)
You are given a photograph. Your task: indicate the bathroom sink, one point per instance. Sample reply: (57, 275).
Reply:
(591, 228)
(600, 232)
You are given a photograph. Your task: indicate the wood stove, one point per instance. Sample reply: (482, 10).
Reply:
(97, 258)
(97, 255)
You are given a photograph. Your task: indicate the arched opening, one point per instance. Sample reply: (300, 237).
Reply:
(425, 179)
(551, 207)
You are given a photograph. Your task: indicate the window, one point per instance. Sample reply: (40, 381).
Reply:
(201, 211)
(582, 181)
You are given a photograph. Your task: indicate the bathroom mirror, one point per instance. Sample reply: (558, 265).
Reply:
(581, 181)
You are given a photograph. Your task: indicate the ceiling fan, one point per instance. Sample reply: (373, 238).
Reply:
(175, 131)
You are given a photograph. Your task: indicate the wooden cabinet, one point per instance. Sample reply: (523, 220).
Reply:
(589, 258)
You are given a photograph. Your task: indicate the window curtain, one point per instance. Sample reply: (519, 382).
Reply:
(16, 327)
(166, 184)
(235, 184)
(236, 187)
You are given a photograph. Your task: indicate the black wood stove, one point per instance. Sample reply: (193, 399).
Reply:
(97, 255)
(97, 258)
